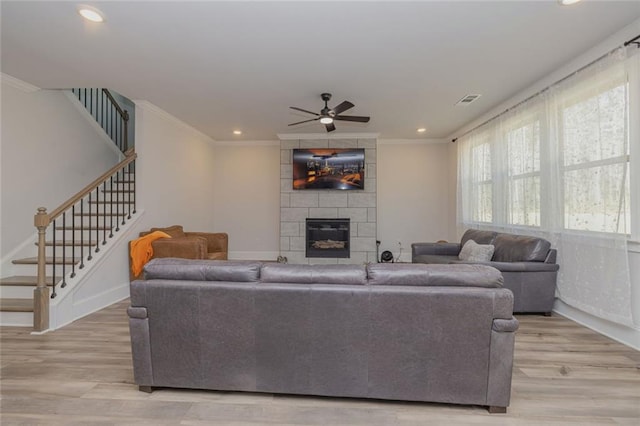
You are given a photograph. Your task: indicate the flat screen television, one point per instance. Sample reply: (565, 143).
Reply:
(328, 168)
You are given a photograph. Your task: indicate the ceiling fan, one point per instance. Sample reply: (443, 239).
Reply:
(328, 115)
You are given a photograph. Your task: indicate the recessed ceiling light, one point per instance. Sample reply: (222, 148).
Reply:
(568, 2)
(237, 132)
(422, 130)
(91, 13)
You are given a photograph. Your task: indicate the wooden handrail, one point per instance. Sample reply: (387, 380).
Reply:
(123, 113)
(130, 157)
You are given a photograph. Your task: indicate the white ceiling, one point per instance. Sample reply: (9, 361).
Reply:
(219, 66)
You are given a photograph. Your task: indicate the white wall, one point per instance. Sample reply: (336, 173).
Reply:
(49, 152)
(247, 197)
(174, 172)
(413, 193)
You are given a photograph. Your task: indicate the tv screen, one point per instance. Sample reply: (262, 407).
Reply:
(328, 168)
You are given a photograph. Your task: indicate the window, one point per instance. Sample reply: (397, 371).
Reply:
(595, 154)
(481, 177)
(523, 153)
(560, 161)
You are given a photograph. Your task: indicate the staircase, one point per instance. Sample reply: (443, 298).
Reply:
(71, 235)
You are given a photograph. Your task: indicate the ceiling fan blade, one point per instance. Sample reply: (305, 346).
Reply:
(343, 107)
(357, 118)
(304, 110)
(304, 121)
(330, 127)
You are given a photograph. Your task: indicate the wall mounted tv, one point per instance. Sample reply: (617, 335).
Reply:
(328, 168)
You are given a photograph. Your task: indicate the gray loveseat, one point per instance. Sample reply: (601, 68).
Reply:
(404, 332)
(528, 265)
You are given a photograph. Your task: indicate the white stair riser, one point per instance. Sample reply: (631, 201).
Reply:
(16, 292)
(33, 269)
(16, 319)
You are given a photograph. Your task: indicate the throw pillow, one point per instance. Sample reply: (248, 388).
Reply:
(474, 252)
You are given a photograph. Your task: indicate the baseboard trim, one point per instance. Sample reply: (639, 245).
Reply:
(628, 336)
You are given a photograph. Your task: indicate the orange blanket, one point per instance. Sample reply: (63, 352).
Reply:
(141, 250)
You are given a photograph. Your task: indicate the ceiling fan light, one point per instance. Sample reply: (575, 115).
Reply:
(326, 120)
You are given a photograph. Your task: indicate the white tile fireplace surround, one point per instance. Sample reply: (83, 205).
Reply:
(357, 205)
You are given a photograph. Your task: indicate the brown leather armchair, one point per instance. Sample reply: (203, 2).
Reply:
(189, 245)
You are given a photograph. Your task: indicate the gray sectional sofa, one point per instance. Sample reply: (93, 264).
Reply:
(435, 333)
(528, 265)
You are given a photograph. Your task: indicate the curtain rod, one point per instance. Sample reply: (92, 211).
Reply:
(634, 40)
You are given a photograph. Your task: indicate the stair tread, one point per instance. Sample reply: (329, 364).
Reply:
(16, 305)
(24, 280)
(48, 260)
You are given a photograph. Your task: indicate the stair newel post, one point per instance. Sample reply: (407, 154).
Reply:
(73, 241)
(41, 292)
(64, 250)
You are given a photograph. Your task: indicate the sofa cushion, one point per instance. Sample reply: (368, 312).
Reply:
(520, 248)
(174, 231)
(465, 276)
(398, 274)
(312, 274)
(202, 270)
(474, 252)
(416, 274)
(480, 237)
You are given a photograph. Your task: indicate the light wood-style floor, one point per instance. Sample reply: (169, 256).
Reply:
(564, 374)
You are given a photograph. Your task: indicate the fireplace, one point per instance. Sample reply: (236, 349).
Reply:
(327, 238)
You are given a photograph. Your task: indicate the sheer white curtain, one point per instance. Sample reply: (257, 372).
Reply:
(557, 166)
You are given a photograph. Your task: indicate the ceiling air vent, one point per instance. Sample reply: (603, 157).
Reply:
(467, 100)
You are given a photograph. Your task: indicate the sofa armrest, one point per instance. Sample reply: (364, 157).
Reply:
(184, 247)
(140, 346)
(505, 325)
(216, 242)
(446, 249)
(551, 256)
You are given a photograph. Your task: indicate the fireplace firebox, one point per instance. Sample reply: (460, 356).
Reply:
(327, 238)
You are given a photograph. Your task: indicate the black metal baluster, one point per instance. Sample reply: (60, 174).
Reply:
(82, 235)
(97, 219)
(53, 267)
(119, 131)
(130, 192)
(104, 213)
(85, 98)
(89, 233)
(64, 251)
(125, 194)
(73, 241)
(111, 119)
(118, 203)
(134, 186)
(110, 207)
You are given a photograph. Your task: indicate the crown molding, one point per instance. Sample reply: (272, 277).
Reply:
(148, 106)
(316, 136)
(18, 84)
(425, 141)
(247, 143)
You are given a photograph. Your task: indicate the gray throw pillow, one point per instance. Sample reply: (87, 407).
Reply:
(474, 252)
